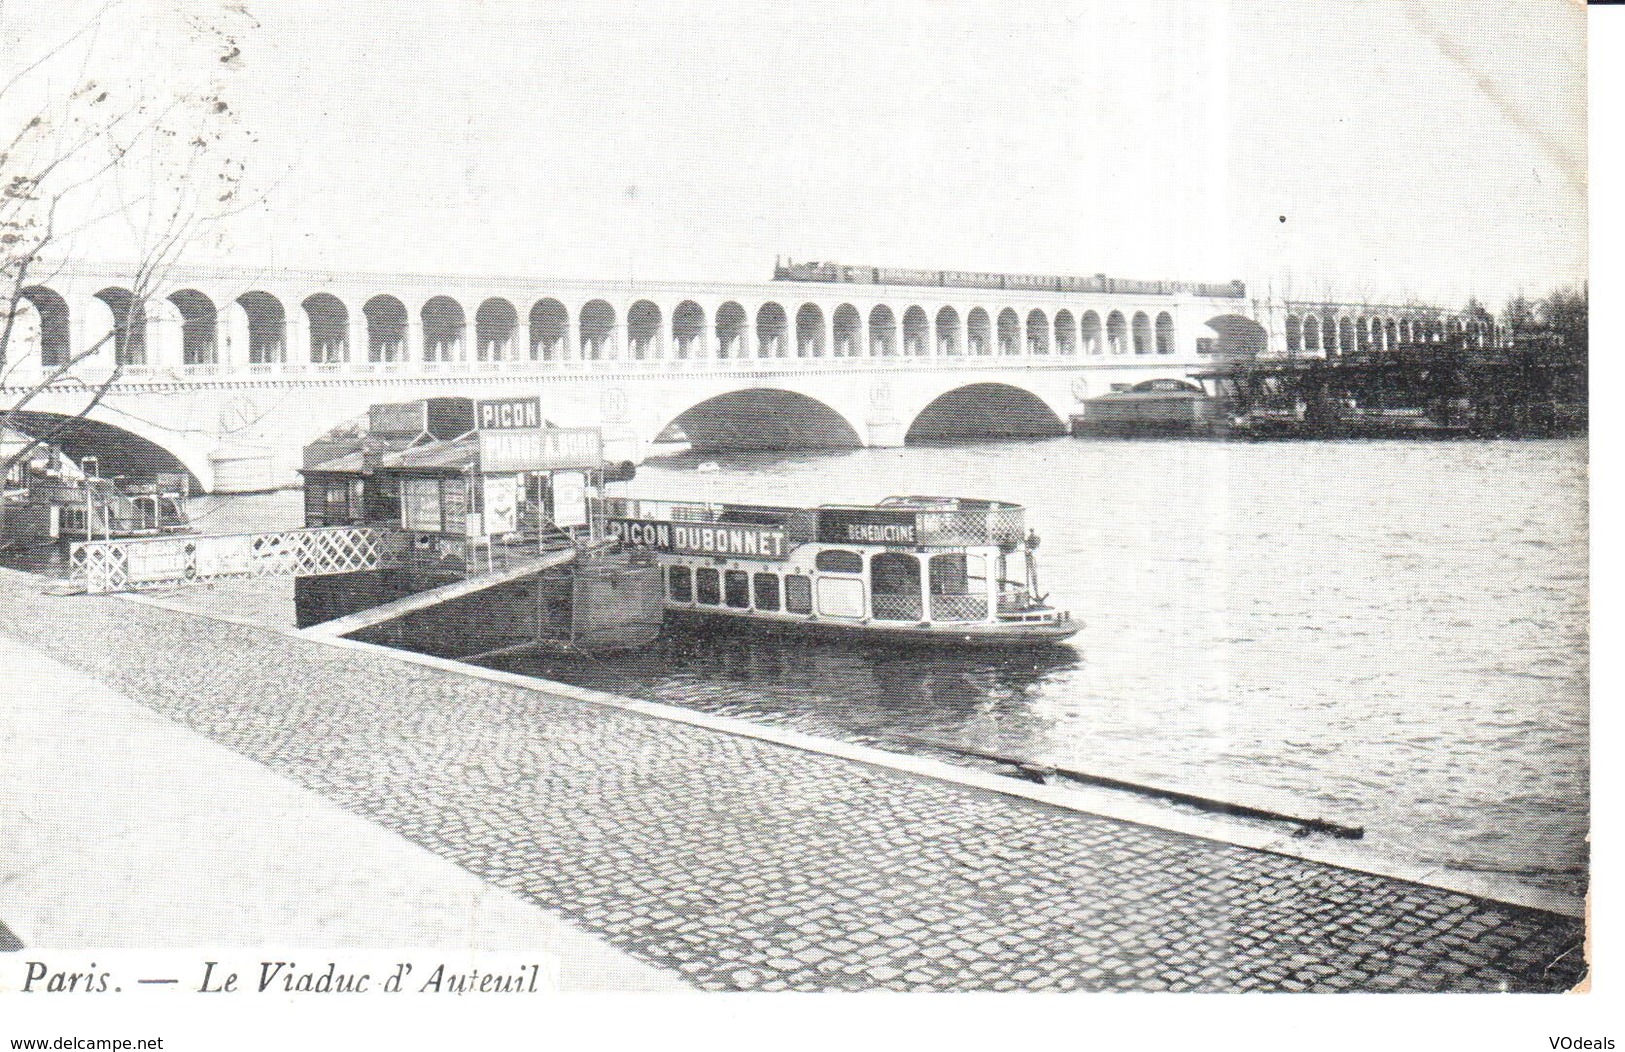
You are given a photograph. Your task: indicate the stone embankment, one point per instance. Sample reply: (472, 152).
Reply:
(738, 863)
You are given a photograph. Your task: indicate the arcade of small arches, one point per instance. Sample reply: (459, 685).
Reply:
(258, 329)
(1331, 335)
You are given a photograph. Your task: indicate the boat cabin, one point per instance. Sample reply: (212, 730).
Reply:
(49, 497)
(462, 480)
(910, 563)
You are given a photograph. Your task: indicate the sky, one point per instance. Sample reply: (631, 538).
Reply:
(1387, 150)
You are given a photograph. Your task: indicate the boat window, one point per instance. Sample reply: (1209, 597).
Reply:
(708, 585)
(421, 505)
(838, 561)
(894, 587)
(767, 591)
(840, 597)
(382, 501)
(958, 587)
(736, 588)
(680, 584)
(337, 503)
(798, 593)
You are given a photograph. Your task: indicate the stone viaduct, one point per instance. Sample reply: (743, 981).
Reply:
(231, 371)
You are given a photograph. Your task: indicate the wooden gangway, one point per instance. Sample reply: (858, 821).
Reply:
(377, 615)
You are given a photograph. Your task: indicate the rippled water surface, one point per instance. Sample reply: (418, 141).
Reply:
(1386, 634)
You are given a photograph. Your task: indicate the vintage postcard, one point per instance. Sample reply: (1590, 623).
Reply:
(514, 498)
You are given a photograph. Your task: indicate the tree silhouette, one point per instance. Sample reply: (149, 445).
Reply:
(87, 144)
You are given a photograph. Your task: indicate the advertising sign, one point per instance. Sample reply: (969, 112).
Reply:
(866, 526)
(158, 560)
(569, 499)
(222, 556)
(712, 538)
(420, 505)
(398, 419)
(501, 505)
(508, 414)
(541, 449)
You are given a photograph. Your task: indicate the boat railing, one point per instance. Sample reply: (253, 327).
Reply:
(1004, 525)
(897, 607)
(1001, 526)
(1015, 601)
(799, 524)
(959, 608)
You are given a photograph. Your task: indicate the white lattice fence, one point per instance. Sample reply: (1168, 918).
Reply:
(160, 562)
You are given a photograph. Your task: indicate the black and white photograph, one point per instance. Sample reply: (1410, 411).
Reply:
(512, 499)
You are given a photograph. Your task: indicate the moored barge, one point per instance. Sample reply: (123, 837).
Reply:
(916, 570)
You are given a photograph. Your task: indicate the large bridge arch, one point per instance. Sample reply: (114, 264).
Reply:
(121, 444)
(985, 411)
(765, 418)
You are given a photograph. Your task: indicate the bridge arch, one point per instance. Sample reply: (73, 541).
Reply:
(978, 332)
(772, 331)
(444, 328)
(882, 332)
(730, 330)
(199, 326)
(761, 418)
(329, 321)
(810, 331)
(53, 334)
(386, 328)
(265, 323)
(916, 333)
(1089, 333)
(984, 411)
(688, 329)
(848, 330)
(121, 444)
(1294, 334)
(597, 331)
(1165, 333)
(1066, 333)
(496, 323)
(643, 330)
(1037, 332)
(549, 330)
(949, 343)
(1009, 332)
(1142, 333)
(128, 326)
(1346, 343)
(1117, 332)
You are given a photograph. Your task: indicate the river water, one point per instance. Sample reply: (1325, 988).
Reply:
(1384, 634)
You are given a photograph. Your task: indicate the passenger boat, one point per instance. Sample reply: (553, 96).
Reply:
(50, 499)
(1152, 408)
(909, 569)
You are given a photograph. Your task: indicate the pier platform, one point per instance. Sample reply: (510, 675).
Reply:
(729, 861)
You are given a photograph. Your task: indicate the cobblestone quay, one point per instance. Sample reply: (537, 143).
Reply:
(743, 864)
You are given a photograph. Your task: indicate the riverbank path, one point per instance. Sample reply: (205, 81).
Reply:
(672, 850)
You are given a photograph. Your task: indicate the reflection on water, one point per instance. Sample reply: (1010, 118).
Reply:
(1384, 634)
(872, 695)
